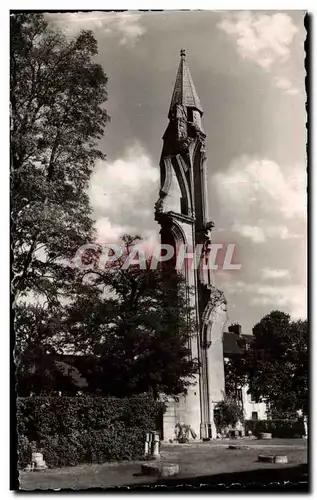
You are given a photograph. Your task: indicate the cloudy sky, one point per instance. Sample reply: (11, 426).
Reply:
(248, 69)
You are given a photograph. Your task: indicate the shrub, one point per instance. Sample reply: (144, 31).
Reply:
(227, 413)
(279, 428)
(73, 430)
(24, 451)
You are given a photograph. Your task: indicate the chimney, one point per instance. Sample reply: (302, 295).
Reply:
(235, 329)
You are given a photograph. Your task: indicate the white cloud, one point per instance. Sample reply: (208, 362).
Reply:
(263, 38)
(281, 232)
(265, 203)
(130, 28)
(286, 85)
(126, 26)
(261, 201)
(122, 192)
(263, 187)
(110, 232)
(268, 273)
(260, 234)
(254, 233)
(107, 231)
(289, 298)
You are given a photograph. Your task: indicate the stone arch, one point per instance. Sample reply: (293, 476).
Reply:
(178, 233)
(172, 234)
(166, 176)
(214, 312)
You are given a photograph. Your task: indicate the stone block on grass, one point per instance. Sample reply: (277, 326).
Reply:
(266, 458)
(238, 447)
(159, 469)
(280, 459)
(265, 435)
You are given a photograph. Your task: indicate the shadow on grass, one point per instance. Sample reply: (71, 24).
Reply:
(270, 479)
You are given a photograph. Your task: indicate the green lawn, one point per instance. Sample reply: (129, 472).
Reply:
(202, 460)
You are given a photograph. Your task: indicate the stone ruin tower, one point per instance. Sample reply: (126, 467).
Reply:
(182, 212)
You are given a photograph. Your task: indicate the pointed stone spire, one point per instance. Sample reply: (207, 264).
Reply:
(184, 90)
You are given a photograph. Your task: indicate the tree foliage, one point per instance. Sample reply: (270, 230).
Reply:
(277, 363)
(137, 322)
(235, 376)
(74, 430)
(57, 93)
(130, 327)
(228, 413)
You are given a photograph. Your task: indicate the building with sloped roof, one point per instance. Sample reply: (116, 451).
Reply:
(234, 345)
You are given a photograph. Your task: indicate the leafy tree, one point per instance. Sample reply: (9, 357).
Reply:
(138, 335)
(227, 413)
(235, 376)
(38, 340)
(234, 367)
(136, 324)
(57, 93)
(277, 363)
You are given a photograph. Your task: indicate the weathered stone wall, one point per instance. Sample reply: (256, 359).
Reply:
(215, 360)
(185, 410)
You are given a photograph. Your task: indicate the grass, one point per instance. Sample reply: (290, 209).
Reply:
(201, 460)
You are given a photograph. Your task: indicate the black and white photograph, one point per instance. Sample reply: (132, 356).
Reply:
(158, 222)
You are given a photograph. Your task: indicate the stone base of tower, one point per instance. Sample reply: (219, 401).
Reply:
(186, 410)
(182, 410)
(177, 413)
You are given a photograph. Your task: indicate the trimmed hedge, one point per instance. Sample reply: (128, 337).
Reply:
(280, 428)
(74, 430)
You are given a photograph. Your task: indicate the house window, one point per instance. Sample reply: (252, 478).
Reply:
(190, 116)
(254, 415)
